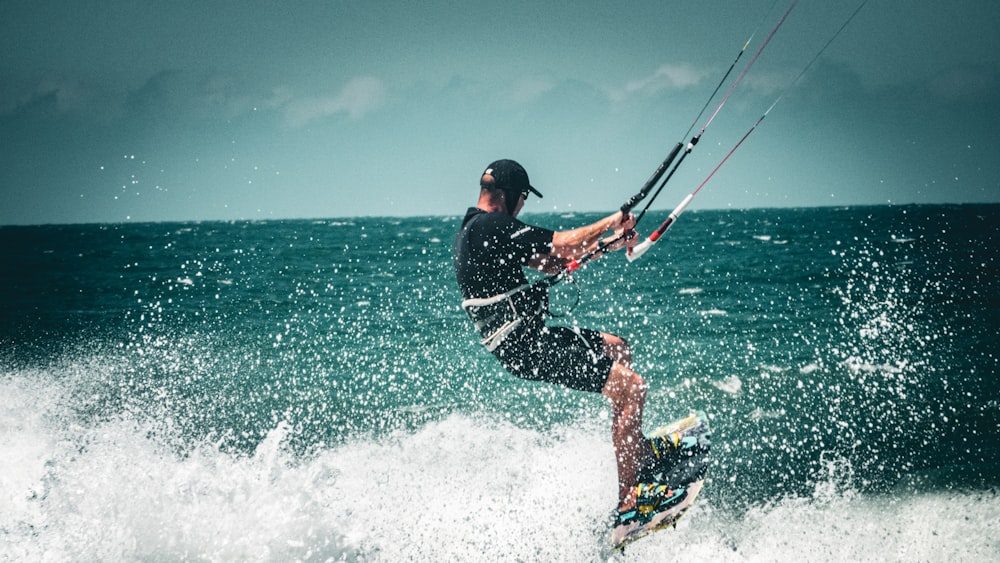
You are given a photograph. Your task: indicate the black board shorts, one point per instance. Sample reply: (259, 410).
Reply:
(571, 357)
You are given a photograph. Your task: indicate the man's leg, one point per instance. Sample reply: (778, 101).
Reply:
(627, 391)
(617, 349)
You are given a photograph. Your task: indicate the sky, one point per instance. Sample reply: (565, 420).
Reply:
(134, 110)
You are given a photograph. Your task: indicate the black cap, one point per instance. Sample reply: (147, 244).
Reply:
(507, 175)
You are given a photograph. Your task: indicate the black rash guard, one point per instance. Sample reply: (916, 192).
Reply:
(492, 248)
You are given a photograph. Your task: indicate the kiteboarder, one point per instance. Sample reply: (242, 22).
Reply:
(491, 249)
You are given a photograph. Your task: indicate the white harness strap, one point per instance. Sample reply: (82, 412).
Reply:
(473, 306)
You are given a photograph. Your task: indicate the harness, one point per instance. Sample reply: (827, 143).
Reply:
(498, 316)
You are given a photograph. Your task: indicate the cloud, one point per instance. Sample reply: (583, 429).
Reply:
(667, 77)
(769, 83)
(529, 89)
(358, 97)
(966, 83)
(60, 95)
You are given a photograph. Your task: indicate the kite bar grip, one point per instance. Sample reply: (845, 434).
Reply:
(641, 248)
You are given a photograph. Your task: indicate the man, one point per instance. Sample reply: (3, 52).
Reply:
(491, 249)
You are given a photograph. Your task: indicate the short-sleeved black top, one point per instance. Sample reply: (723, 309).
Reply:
(490, 251)
(492, 248)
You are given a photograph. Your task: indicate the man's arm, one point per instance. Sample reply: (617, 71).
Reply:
(574, 244)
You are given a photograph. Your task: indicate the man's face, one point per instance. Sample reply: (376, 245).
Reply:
(520, 203)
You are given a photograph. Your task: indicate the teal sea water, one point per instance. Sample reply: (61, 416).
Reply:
(310, 390)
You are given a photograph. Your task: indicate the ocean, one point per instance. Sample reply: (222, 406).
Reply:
(311, 391)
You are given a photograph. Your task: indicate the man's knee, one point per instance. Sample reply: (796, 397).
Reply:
(625, 386)
(618, 348)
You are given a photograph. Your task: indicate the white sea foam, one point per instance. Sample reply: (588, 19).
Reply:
(731, 385)
(457, 489)
(854, 528)
(761, 414)
(713, 312)
(808, 368)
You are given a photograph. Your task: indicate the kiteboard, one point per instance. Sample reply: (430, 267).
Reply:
(670, 484)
